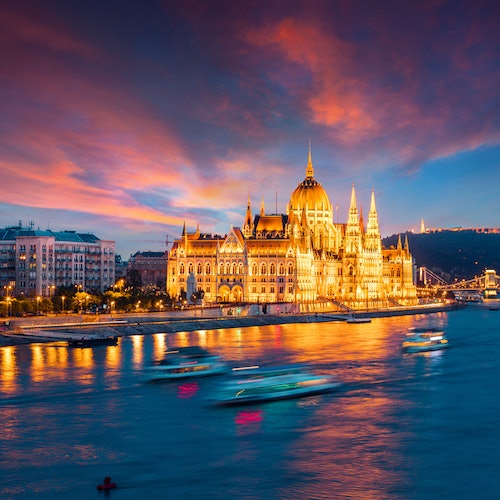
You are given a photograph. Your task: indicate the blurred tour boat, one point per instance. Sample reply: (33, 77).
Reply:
(255, 384)
(186, 362)
(425, 339)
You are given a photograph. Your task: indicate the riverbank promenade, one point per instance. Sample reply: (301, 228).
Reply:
(61, 327)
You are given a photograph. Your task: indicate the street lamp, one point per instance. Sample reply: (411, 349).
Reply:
(111, 305)
(8, 306)
(63, 298)
(37, 304)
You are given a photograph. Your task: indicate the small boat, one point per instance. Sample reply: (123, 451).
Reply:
(425, 339)
(257, 384)
(494, 308)
(186, 362)
(357, 319)
(94, 340)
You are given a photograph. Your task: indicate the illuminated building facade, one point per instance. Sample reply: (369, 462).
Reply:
(35, 262)
(301, 257)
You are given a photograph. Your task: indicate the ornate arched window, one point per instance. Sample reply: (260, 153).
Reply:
(198, 268)
(207, 268)
(233, 268)
(263, 269)
(190, 268)
(254, 269)
(272, 268)
(228, 268)
(181, 268)
(221, 268)
(281, 268)
(290, 268)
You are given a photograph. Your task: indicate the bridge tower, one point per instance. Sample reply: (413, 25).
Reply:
(490, 283)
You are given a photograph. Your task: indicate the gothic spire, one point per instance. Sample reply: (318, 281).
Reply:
(353, 211)
(309, 169)
(248, 218)
(373, 217)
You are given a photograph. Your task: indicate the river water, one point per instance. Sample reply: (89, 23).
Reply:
(403, 426)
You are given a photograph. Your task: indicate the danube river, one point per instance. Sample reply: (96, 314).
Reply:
(419, 426)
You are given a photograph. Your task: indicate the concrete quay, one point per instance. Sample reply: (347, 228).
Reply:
(60, 328)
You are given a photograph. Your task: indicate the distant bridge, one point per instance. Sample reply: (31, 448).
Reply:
(488, 283)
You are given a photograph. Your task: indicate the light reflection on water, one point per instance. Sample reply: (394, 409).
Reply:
(85, 413)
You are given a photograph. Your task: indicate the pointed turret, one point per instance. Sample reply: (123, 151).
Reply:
(399, 246)
(353, 211)
(422, 226)
(248, 224)
(361, 221)
(373, 241)
(372, 227)
(407, 245)
(262, 209)
(309, 168)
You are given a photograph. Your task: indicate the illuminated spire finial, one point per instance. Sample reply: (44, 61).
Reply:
(309, 169)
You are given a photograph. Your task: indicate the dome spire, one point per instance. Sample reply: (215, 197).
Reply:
(309, 169)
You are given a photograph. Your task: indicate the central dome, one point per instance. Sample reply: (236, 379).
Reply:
(309, 194)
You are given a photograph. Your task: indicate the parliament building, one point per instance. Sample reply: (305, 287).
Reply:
(301, 257)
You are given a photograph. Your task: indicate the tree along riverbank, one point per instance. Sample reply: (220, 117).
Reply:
(45, 330)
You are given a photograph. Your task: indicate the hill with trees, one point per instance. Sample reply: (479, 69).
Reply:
(453, 254)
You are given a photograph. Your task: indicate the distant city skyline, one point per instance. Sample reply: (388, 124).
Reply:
(129, 119)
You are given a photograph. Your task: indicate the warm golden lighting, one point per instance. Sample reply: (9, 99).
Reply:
(84, 358)
(159, 345)
(113, 357)
(137, 352)
(37, 363)
(8, 369)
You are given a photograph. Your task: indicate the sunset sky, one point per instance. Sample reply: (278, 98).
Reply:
(128, 118)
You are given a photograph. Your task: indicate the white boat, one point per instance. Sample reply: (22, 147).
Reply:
(257, 384)
(425, 339)
(186, 362)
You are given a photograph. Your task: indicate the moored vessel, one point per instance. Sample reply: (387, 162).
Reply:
(93, 340)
